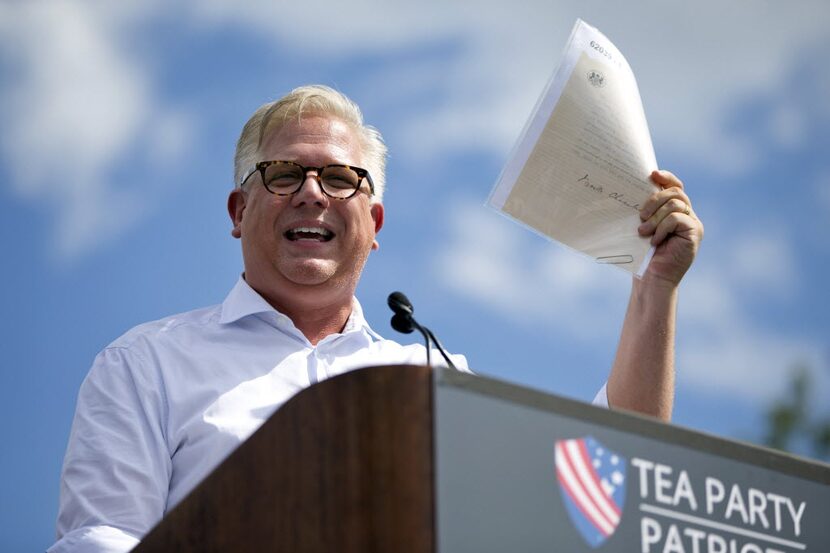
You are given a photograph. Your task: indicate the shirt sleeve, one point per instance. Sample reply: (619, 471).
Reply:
(601, 399)
(458, 360)
(117, 467)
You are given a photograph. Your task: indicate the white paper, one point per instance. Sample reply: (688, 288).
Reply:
(580, 171)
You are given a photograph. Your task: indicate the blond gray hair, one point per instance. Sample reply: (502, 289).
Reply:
(310, 100)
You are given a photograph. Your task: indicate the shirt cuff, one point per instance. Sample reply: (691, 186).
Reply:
(95, 539)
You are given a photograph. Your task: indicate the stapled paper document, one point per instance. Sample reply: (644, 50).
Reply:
(580, 171)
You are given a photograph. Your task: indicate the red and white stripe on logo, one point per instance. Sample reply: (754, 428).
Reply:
(580, 480)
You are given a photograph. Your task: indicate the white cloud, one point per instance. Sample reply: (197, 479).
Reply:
(695, 61)
(75, 99)
(749, 363)
(334, 29)
(496, 264)
(722, 349)
(169, 136)
(78, 104)
(764, 260)
(707, 303)
(82, 97)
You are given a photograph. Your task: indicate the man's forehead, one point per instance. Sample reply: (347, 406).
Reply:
(312, 131)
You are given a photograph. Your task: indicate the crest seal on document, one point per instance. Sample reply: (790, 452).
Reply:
(596, 78)
(592, 485)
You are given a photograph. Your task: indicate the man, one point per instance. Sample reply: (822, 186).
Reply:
(166, 402)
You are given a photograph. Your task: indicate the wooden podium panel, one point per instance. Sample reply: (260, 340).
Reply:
(345, 465)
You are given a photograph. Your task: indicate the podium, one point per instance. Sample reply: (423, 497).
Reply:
(411, 459)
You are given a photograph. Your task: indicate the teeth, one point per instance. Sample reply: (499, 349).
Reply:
(309, 233)
(316, 230)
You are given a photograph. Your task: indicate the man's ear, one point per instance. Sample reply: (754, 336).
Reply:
(236, 206)
(377, 216)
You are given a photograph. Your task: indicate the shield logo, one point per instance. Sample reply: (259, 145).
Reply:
(592, 485)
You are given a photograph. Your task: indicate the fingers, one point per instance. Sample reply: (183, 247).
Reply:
(666, 179)
(674, 223)
(671, 199)
(664, 203)
(674, 228)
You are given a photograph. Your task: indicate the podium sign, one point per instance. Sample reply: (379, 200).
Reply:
(516, 468)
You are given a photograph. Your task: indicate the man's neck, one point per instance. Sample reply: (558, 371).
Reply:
(312, 312)
(316, 324)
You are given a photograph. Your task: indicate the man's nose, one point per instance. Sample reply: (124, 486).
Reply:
(310, 192)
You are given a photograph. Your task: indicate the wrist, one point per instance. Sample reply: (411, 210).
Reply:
(653, 297)
(653, 284)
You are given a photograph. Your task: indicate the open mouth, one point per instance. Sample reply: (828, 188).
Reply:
(315, 234)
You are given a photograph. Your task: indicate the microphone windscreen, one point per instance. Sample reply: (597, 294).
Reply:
(399, 303)
(402, 323)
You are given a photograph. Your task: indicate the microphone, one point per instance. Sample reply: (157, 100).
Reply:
(400, 304)
(404, 322)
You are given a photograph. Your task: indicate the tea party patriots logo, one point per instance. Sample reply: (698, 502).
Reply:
(592, 485)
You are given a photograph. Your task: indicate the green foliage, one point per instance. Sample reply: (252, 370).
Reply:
(789, 421)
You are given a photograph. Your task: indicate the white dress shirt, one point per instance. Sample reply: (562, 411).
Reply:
(166, 402)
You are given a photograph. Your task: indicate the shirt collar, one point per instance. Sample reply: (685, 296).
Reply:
(243, 301)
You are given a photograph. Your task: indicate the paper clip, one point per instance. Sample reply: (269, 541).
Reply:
(615, 259)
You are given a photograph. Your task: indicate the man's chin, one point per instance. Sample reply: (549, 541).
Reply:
(310, 272)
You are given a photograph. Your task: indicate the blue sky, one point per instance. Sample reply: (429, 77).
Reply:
(118, 126)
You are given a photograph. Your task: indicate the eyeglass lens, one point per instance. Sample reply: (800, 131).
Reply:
(287, 178)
